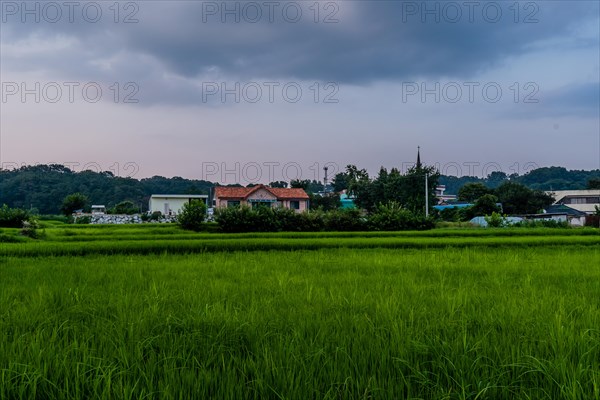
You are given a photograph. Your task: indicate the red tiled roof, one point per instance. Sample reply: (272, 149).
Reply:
(232, 192)
(293, 193)
(244, 192)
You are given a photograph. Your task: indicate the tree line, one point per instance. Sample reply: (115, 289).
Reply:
(545, 178)
(43, 188)
(508, 196)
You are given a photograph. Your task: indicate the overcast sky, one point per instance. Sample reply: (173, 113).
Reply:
(259, 91)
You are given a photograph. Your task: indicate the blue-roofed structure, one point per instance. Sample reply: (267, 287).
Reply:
(563, 209)
(452, 206)
(347, 202)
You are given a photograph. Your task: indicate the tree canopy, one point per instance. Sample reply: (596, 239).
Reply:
(74, 202)
(472, 191)
(517, 198)
(407, 189)
(43, 187)
(545, 178)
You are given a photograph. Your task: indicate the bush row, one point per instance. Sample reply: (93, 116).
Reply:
(13, 217)
(19, 218)
(542, 224)
(390, 217)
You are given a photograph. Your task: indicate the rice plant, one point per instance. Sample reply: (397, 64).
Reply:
(421, 322)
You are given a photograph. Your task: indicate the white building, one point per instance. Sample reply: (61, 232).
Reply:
(580, 200)
(443, 198)
(98, 209)
(171, 204)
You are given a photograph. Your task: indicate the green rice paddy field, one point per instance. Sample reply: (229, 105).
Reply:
(153, 312)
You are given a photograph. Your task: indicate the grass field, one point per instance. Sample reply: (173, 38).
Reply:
(157, 313)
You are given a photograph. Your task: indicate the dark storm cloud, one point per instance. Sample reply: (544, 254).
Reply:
(371, 41)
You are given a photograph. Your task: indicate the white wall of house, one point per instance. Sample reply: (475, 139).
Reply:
(98, 209)
(572, 220)
(581, 200)
(171, 204)
(302, 203)
(577, 221)
(223, 202)
(261, 194)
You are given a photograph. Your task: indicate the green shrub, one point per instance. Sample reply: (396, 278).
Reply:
(85, 219)
(448, 224)
(192, 215)
(155, 216)
(236, 219)
(542, 224)
(347, 220)
(387, 217)
(466, 214)
(125, 207)
(288, 220)
(486, 205)
(449, 215)
(72, 202)
(13, 217)
(393, 217)
(457, 214)
(311, 221)
(31, 229)
(495, 220)
(55, 218)
(327, 202)
(265, 220)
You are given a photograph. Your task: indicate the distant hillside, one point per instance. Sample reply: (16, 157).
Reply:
(547, 178)
(44, 186)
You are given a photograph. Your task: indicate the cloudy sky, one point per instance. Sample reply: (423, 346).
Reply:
(257, 91)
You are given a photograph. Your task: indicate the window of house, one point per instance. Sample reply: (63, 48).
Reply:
(233, 203)
(295, 204)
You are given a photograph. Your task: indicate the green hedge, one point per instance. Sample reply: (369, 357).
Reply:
(13, 217)
(390, 217)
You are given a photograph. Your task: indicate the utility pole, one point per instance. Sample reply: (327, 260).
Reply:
(325, 179)
(426, 196)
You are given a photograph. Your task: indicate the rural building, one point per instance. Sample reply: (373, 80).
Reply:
(443, 198)
(442, 207)
(98, 209)
(558, 213)
(562, 212)
(261, 195)
(580, 200)
(347, 201)
(171, 204)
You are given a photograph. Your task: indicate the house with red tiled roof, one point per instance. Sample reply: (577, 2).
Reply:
(261, 195)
